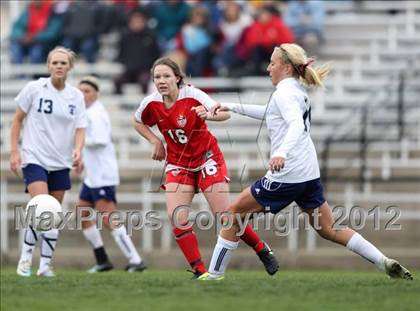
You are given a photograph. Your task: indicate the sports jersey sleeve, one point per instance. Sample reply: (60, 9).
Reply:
(81, 118)
(25, 97)
(252, 111)
(144, 113)
(97, 133)
(291, 113)
(203, 98)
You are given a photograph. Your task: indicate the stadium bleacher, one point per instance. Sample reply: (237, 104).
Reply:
(370, 46)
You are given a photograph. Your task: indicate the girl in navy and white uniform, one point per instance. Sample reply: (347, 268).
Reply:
(54, 119)
(100, 181)
(294, 171)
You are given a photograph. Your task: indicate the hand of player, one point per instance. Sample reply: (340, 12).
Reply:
(77, 157)
(215, 109)
(15, 162)
(159, 152)
(79, 169)
(218, 107)
(201, 112)
(276, 164)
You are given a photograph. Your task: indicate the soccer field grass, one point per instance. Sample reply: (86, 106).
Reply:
(152, 290)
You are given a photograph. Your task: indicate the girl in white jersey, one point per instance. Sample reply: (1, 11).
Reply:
(52, 142)
(294, 172)
(100, 181)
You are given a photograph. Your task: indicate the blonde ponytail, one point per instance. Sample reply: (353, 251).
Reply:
(296, 56)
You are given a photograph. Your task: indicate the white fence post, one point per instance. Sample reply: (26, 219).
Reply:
(166, 237)
(4, 218)
(293, 236)
(147, 207)
(310, 239)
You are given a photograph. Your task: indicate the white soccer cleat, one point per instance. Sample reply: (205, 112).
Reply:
(395, 270)
(46, 272)
(24, 268)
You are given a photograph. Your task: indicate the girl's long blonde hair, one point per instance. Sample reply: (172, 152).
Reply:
(296, 56)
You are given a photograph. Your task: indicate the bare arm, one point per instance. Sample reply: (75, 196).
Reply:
(17, 122)
(159, 152)
(79, 142)
(204, 114)
(221, 116)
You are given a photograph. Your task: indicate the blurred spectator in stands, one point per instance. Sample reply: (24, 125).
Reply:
(61, 6)
(34, 32)
(138, 49)
(306, 19)
(118, 12)
(169, 15)
(232, 25)
(259, 39)
(82, 25)
(215, 9)
(254, 6)
(195, 40)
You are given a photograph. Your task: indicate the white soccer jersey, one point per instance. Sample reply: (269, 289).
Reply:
(288, 121)
(100, 161)
(50, 124)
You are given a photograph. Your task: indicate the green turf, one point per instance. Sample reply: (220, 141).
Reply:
(152, 290)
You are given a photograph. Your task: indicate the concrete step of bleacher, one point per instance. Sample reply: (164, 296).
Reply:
(327, 259)
(378, 186)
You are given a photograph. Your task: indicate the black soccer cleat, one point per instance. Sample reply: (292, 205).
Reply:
(135, 267)
(106, 266)
(197, 275)
(396, 271)
(267, 257)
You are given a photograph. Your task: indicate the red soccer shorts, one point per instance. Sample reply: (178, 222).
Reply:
(203, 179)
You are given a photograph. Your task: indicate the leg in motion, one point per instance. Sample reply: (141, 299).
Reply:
(229, 239)
(48, 243)
(217, 195)
(93, 236)
(123, 240)
(355, 242)
(30, 235)
(178, 200)
(25, 262)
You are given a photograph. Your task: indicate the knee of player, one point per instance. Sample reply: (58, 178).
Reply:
(328, 233)
(87, 223)
(236, 213)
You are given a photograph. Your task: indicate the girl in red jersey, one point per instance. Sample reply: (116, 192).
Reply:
(194, 160)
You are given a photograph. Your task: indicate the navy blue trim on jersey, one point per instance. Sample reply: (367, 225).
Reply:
(275, 196)
(95, 194)
(56, 180)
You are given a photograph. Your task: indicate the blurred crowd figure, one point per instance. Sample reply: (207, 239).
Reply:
(137, 50)
(306, 19)
(265, 32)
(34, 32)
(206, 37)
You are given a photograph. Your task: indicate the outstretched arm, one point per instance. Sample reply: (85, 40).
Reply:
(204, 114)
(252, 111)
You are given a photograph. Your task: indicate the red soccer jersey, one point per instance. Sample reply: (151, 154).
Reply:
(189, 142)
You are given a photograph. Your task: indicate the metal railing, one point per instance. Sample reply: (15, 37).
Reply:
(361, 118)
